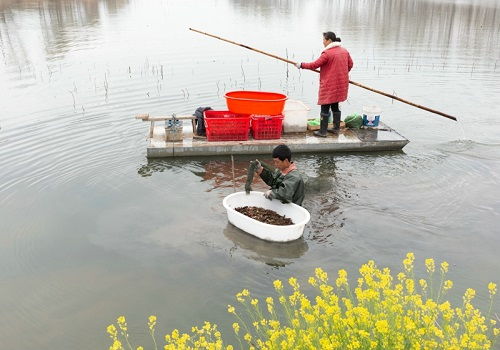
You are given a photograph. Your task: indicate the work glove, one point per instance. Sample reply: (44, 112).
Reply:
(258, 165)
(268, 194)
(298, 65)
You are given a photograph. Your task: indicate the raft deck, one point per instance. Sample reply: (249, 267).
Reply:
(381, 138)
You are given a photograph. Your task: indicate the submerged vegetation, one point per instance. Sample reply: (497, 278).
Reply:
(380, 311)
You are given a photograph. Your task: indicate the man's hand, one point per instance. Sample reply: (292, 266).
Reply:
(298, 65)
(268, 194)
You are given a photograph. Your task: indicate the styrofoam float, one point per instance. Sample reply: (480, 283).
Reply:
(275, 233)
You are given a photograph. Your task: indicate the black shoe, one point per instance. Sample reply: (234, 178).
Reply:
(320, 134)
(323, 125)
(336, 123)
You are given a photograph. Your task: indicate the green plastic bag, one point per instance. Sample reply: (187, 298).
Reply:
(313, 122)
(353, 121)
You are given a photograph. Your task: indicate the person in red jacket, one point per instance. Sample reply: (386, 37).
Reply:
(335, 63)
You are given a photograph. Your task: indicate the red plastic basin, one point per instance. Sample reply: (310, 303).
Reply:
(255, 102)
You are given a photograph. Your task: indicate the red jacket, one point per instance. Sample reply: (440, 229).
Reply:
(335, 64)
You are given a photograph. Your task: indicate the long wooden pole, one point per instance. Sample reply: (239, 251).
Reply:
(350, 81)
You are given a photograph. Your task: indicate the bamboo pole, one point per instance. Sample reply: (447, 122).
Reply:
(232, 169)
(350, 81)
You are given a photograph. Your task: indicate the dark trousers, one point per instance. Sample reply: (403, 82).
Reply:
(325, 109)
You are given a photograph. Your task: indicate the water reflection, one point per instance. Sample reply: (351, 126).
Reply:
(58, 22)
(264, 8)
(435, 25)
(325, 191)
(219, 173)
(430, 24)
(271, 253)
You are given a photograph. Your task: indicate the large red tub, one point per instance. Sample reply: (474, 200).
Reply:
(255, 102)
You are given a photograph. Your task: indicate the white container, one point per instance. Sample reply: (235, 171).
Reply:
(295, 113)
(371, 115)
(274, 233)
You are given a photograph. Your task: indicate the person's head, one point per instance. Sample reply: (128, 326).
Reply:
(329, 37)
(282, 157)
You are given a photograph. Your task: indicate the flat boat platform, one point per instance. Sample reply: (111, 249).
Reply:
(381, 138)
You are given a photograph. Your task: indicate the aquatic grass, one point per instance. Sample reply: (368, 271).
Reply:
(379, 311)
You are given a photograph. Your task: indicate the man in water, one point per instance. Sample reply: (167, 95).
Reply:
(287, 184)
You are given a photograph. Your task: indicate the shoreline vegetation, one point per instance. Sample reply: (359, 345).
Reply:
(378, 311)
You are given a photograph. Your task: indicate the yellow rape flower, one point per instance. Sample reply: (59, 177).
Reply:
(429, 264)
(278, 285)
(112, 331)
(122, 323)
(469, 295)
(117, 345)
(382, 326)
(342, 279)
(410, 286)
(492, 288)
(151, 322)
(293, 282)
(321, 275)
(401, 276)
(444, 267)
(377, 314)
(408, 262)
(312, 281)
(270, 303)
(423, 284)
(236, 327)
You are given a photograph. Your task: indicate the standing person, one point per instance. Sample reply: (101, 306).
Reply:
(335, 63)
(286, 182)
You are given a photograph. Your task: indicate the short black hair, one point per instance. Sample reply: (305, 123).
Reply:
(331, 36)
(282, 152)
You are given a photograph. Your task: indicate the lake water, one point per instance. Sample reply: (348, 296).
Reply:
(90, 229)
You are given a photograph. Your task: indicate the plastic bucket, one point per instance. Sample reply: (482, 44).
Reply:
(295, 116)
(255, 102)
(371, 115)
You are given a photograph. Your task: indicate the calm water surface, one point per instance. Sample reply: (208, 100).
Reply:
(90, 229)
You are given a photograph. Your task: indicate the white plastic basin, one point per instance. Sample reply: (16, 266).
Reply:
(275, 233)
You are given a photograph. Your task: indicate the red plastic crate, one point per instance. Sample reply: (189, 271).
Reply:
(267, 127)
(226, 126)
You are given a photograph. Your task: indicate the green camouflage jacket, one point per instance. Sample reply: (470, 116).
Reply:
(287, 188)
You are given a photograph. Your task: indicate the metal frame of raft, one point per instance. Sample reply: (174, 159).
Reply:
(381, 138)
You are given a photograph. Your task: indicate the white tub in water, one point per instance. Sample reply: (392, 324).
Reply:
(275, 233)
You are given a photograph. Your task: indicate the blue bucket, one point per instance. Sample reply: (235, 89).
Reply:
(371, 116)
